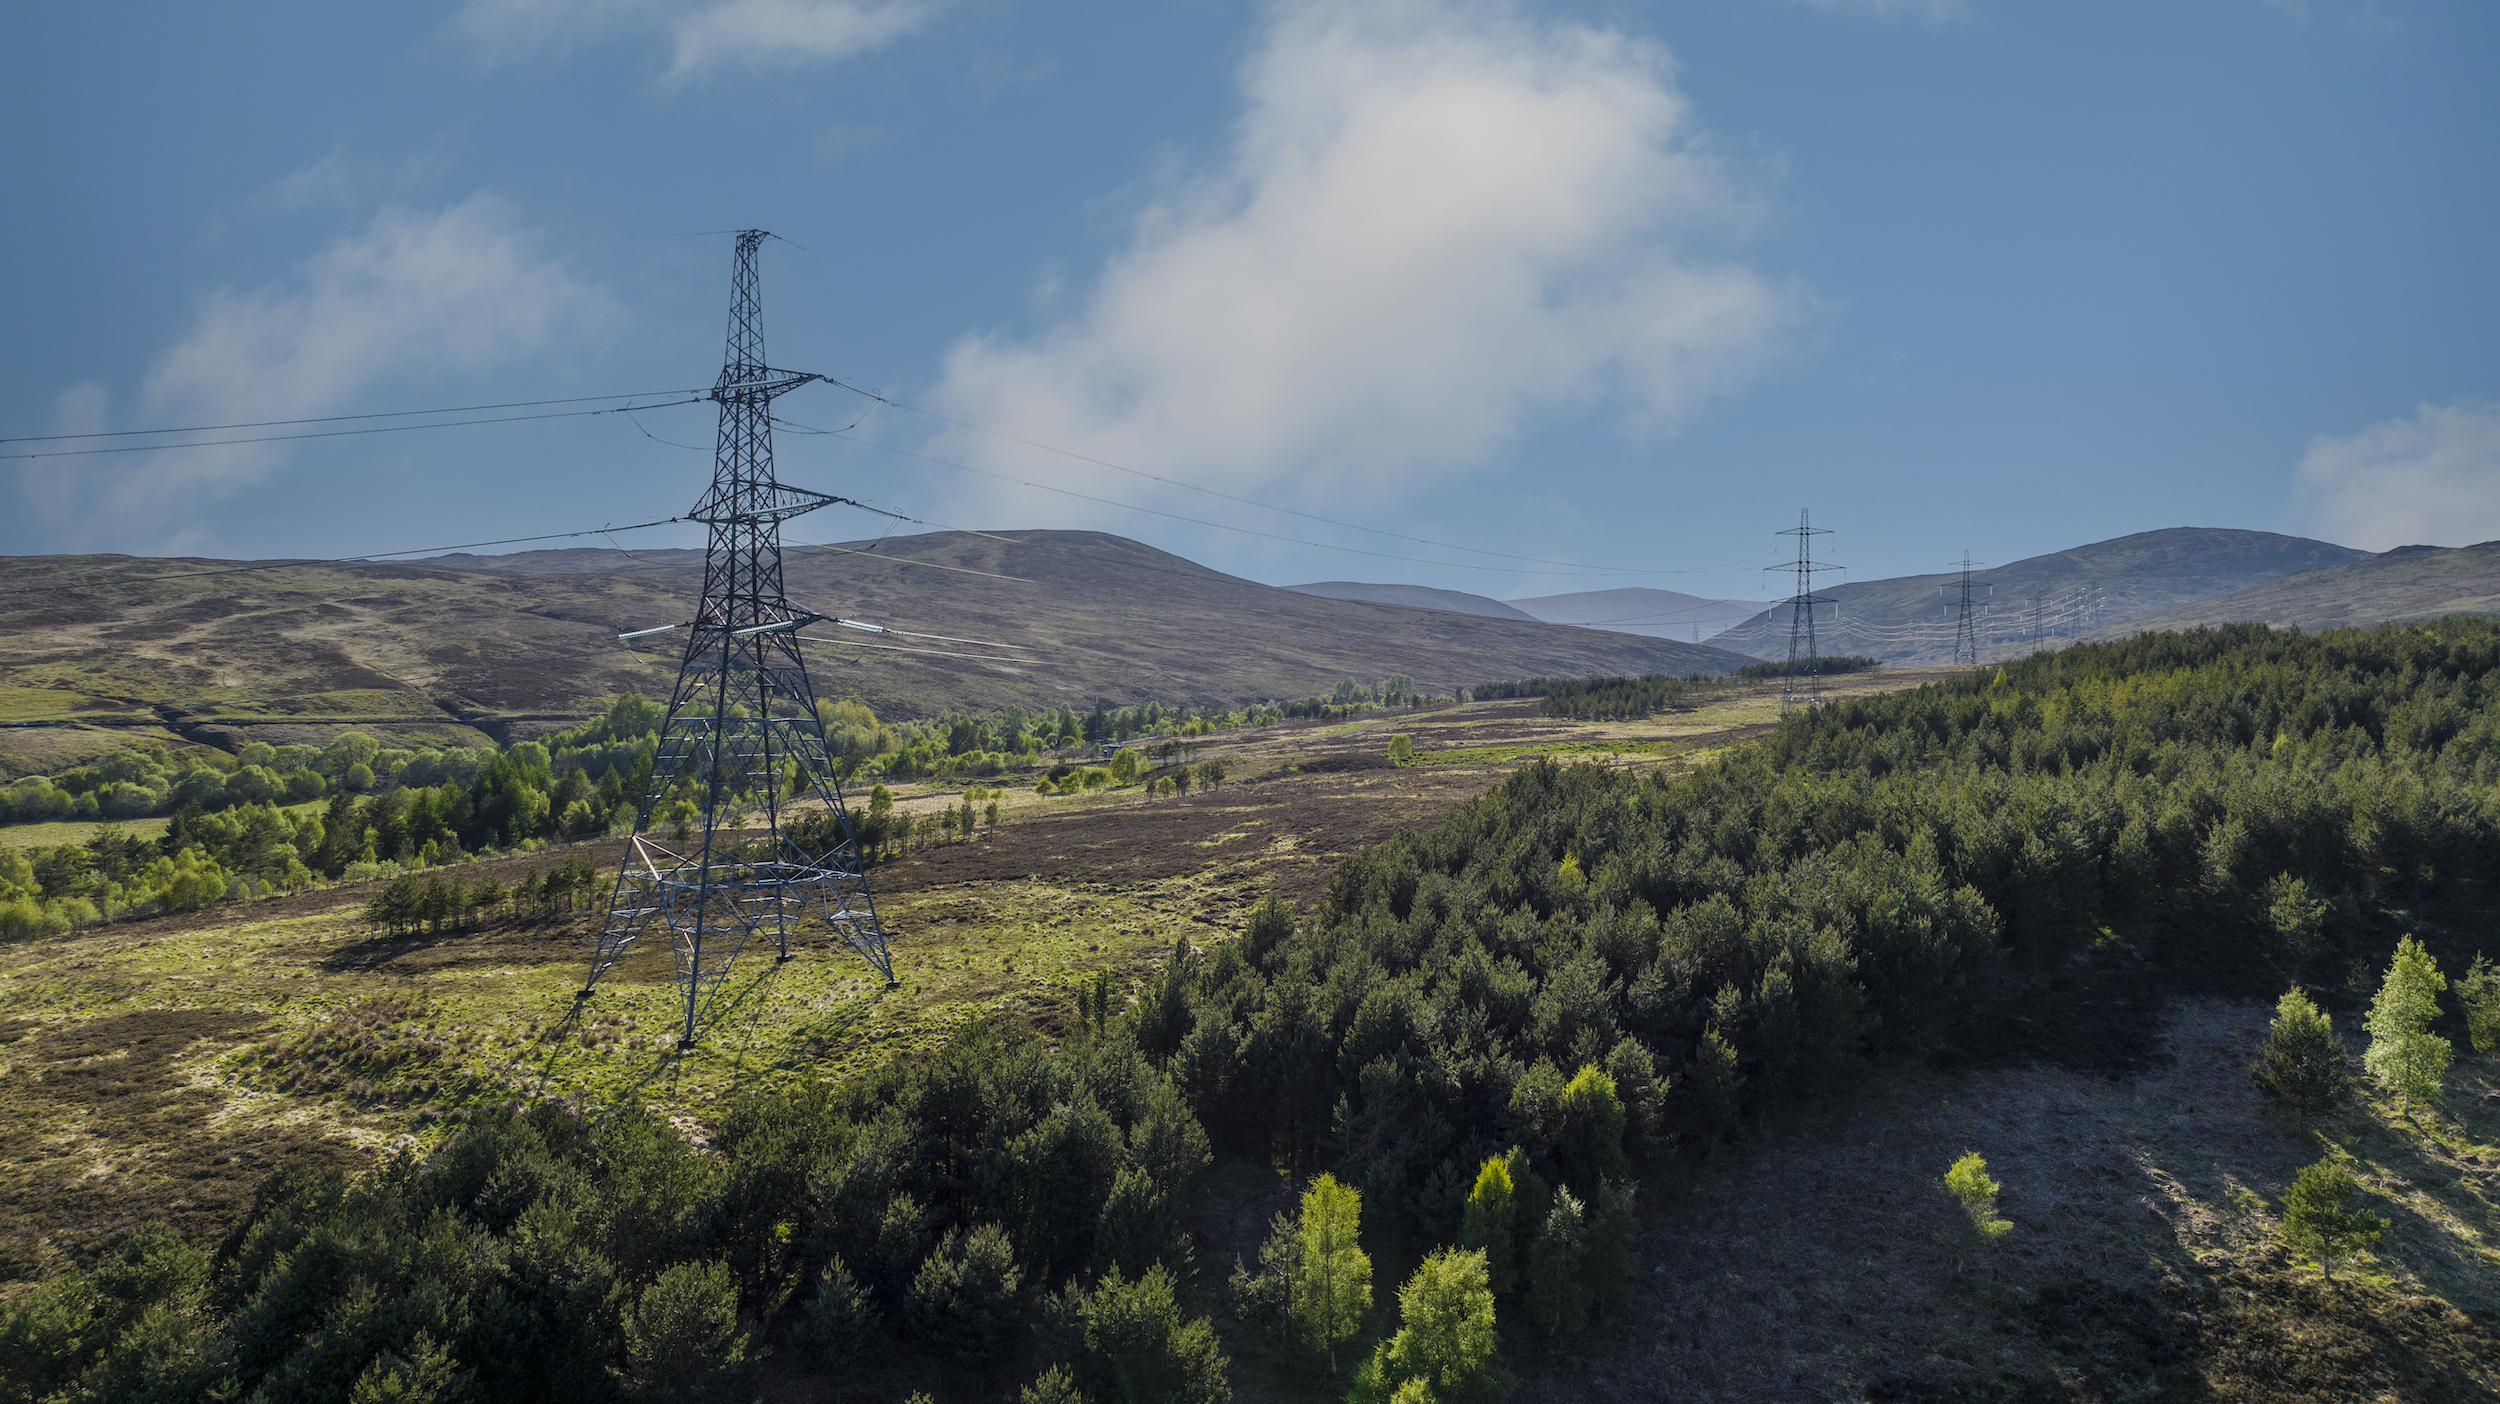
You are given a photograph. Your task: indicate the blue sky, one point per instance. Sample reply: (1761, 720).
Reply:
(1616, 287)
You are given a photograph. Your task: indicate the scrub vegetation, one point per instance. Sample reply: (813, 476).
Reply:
(1915, 1047)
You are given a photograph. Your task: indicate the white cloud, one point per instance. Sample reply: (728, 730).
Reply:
(410, 295)
(700, 36)
(1435, 220)
(2432, 478)
(1934, 12)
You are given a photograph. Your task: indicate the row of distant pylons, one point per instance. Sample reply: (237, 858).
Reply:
(1804, 669)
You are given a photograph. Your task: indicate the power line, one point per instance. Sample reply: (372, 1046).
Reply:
(349, 433)
(339, 418)
(344, 560)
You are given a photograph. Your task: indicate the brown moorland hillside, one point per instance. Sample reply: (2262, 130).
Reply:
(2409, 582)
(101, 651)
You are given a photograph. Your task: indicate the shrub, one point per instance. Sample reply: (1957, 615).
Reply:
(1972, 1188)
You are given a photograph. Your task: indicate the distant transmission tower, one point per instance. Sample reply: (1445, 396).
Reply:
(742, 738)
(1966, 630)
(1801, 617)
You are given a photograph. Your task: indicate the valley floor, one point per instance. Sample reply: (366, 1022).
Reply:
(156, 1070)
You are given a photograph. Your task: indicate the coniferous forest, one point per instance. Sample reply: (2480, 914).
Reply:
(1479, 1053)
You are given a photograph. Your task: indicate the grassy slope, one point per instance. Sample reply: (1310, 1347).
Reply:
(157, 1069)
(2400, 585)
(429, 653)
(2136, 576)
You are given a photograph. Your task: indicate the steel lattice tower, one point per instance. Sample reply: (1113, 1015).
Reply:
(743, 738)
(1801, 615)
(1966, 628)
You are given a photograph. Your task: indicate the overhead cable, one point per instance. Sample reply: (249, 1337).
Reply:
(349, 433)
(340, 418)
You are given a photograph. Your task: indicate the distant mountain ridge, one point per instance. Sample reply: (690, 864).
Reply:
(2083, 591)
(1641, 609)
(2409, 582)
(1412, 597)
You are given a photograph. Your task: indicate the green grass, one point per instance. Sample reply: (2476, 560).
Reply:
(315, 1027)
(48, 703)
(75, 831)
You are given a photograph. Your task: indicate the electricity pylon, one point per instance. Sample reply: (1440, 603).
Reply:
(1966, 629)
(742, 738)
(1801, 615)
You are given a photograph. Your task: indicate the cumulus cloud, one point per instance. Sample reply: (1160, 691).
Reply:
(700, 36)
(1434, 221)
(2431, 478)
(412, 294)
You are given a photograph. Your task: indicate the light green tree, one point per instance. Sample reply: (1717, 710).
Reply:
(2301, 1062)
(2319, 1220)
(1489, 1225)
(1591, 1134)
(1401, 749)
(1971, 1186)
(2405, 1057)
(1332, 1284)
(1446, 1334)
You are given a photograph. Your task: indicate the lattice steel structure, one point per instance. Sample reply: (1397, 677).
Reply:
(1966, 628)
(743, 739)
(1801, 617)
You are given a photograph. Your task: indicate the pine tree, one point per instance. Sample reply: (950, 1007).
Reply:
(1558, 1288)
(2478, 989)
(1613, 1257)
(2318, 1217)
(1591, 1134)
(1716, 1085)
(2301, 1063)
(2405, 1057)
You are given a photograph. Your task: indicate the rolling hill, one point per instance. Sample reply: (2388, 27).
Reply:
(2408, 582)
(2039, 601)
(98, 651)
(1638, 609)
(1413, 597)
